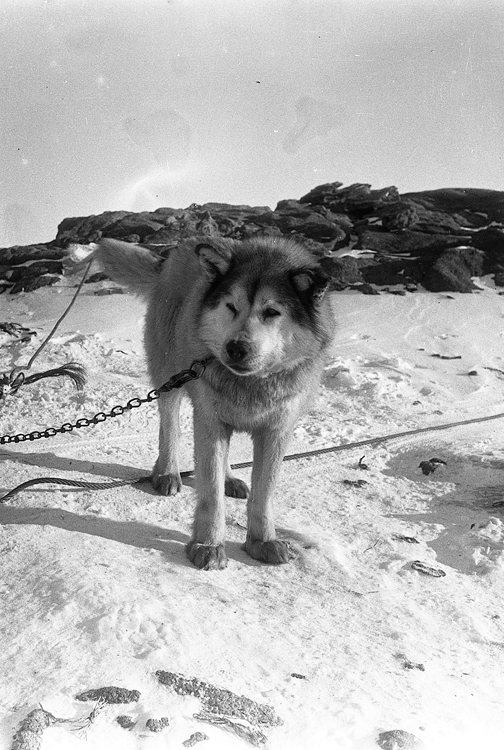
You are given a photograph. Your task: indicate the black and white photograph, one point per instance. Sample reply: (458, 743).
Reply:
(251, 374)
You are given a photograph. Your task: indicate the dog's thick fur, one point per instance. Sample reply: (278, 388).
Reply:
(259, 308)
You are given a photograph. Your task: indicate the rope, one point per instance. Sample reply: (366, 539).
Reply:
(16, 378)
(247, 464)
(377, 440)
(71, 483)
(61, 319)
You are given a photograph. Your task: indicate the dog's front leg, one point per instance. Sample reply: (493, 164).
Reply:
(270, 445)
(166, 476)
(211, 440)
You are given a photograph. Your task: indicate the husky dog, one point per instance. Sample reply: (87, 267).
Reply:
(260, 310)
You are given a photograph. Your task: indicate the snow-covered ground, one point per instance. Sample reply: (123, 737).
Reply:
(346, 642)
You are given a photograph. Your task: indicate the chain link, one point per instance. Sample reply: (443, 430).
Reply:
(196, 370)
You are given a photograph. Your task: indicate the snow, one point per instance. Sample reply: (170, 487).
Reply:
(345, 642)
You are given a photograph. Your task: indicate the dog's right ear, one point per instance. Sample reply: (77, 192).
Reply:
(214, 260)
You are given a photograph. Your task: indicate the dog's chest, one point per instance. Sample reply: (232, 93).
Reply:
(244, 403)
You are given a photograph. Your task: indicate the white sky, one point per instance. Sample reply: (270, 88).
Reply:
(134, 105)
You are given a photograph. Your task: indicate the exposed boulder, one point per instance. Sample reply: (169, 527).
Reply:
(13, 256)
(475, 206)
(34, 282)
(86, 228)
(357, 200)
(343, 271)
(411, 243)
(453, 270)
(435, 238)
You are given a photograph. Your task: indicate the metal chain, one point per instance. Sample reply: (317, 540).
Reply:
(196, 370)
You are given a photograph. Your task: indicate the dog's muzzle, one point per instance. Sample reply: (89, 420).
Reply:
(237, 350)
(238, 353)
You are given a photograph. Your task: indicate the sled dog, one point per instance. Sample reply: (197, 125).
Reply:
(260, 309)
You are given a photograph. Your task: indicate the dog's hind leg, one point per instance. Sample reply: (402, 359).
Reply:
(165, 476)
(234, 487)
(211, 441)
(270, 445)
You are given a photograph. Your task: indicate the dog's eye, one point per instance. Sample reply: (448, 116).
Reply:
(233, 309)
(270, 312)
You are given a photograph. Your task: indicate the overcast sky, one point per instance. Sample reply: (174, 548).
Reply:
(112, 104)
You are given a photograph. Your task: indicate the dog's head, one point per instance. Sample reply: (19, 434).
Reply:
(261, 310)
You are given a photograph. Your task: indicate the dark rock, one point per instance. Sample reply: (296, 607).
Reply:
(95, 277)
(13, 256)
(157, 725)
(34, 282)
(29, 733)
(389, 272)
(232, 209)
(436, 222)
(470, 204)
(356, 200)
(86, 229)
(141, 225)
(367, 289)
(308, 224)
(491, 242)
(453, 270)
(291, 206)
(110, 695)
(398, 739)
(321, 194)
(406, 243)
(126, 722)
(32, 270)
(343, 271)
(195, 738)
(405, 240)
(408, 214)
(220, 701)
(399, 216)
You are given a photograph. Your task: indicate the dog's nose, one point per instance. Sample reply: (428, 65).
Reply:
(237, 350)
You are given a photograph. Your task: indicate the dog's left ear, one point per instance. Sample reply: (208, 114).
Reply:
(214, 259)
(310, 282)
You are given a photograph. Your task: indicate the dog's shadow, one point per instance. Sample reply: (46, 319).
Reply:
(107, 471)
(146, 536)
(47, 460)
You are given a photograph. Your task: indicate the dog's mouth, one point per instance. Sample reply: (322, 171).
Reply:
(240, 369)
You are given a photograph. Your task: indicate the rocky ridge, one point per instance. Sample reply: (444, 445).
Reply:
(366, 239)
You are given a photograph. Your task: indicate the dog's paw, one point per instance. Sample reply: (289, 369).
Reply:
(274, 552)
(206, 556)
(167, 484)
(234, 487)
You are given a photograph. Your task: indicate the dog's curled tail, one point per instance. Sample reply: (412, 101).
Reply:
(128, 264)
